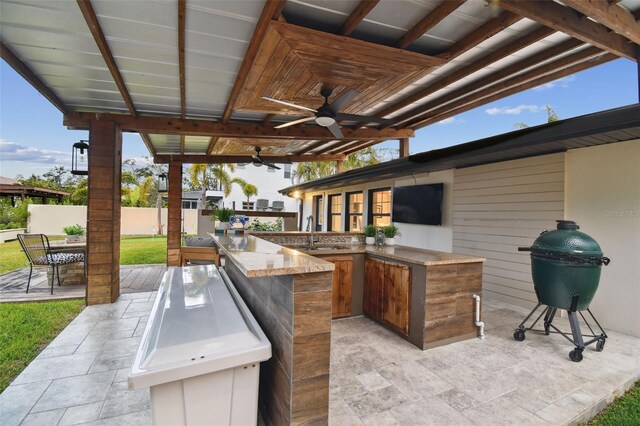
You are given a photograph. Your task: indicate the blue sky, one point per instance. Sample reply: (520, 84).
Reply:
(33, 139)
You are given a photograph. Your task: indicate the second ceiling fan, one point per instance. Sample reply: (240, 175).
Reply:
(329, 113)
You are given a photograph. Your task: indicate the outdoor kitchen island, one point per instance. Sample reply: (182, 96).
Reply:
(424, 296)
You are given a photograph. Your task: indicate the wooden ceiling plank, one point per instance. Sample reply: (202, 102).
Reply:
(548, 72)
(212, 144)
(361, 147)
(431, 20)
(208, 159)
(479, 64)
(28, 74)
(182, 13)
(534, 83)
(344, 147)
(272, 10)
(358, 14)
(147, 141)
(568, 21)
(480, 34)
(330, 146)
(239, 130)
(612, 16)
(310, 147)
(96, 31)
(494, 77)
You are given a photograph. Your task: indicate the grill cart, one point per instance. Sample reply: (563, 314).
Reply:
(565, 265)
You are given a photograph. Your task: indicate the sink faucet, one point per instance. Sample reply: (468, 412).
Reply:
(310, 229)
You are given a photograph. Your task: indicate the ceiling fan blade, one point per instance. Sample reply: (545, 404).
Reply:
(346, 97)
(271, 165)
(289, 104)
(294, 122)
(255, 159)
(335, 129)
(362, 118)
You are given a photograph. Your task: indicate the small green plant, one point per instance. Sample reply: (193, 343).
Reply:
(276, 226)
(370, 231)
(223, 214)
(73, 230)
(391, 231)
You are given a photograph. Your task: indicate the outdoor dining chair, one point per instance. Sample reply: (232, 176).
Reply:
(39, 253)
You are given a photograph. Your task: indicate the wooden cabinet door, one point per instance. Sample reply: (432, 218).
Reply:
(373, 288)
(342, 283)
(397, 296)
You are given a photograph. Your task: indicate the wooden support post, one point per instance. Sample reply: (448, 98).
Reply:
(174, 219)
(103, 213)
(340, 166)
(404, 147)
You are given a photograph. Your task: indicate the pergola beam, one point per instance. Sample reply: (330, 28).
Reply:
(497, 76)
(356, 16)
(507, 88)
(210, 159)
(182, 12)
(239, 130)
(518, 44)
(568, 21)
(26, 73)
(361, 146)
(612, 16)
(440, 12)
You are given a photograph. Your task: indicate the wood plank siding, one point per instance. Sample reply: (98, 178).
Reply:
(499, 207)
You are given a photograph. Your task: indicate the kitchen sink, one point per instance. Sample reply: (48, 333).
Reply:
(321, 248)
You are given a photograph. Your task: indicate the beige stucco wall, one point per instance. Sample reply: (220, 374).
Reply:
(602, 188)
(51, 219)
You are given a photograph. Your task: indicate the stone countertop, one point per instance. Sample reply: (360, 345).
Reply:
(406, 254)
(256, 257)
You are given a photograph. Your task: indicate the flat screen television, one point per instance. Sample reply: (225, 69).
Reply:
(420, 204)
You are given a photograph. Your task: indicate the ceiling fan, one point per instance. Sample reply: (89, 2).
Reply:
(258, 161)
(328, 114)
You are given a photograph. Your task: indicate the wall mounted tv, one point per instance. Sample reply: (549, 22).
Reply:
(420, 204)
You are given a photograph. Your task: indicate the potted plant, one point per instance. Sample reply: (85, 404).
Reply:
(390, 232)
(75, 233)
(370, 234)
(223, 215)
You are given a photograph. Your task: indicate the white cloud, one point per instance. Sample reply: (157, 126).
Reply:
(11, 151)
(515, 110)
(561, 82)
(450, 120)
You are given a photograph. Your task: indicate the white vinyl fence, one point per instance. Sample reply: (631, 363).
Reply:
(51, 219)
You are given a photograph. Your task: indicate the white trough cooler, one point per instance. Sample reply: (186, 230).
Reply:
(200, 352)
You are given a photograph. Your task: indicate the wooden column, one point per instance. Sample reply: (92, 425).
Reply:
(174, 219)
(103, 213)
(340, 166)
(403, 147)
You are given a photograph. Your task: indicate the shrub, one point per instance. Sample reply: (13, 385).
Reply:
(276, 226)
(223, 214)
(14, 217)
(73, 230)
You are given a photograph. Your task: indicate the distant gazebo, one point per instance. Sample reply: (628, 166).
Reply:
(12, 188)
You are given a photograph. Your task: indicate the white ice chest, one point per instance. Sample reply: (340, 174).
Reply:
(200, 352)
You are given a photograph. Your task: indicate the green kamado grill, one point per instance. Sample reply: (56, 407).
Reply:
(565, 265)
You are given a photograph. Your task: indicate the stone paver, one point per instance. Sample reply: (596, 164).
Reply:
(377, 378)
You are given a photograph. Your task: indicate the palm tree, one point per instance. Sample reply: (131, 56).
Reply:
(315, 170)
(249, 190)
(203, 176)
(551, 117)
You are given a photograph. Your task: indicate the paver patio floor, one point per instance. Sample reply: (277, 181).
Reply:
(376, 377)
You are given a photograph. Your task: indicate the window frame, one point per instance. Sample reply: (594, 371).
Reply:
(348, 214)
(318, 212)
(370, 213)
(331, 213)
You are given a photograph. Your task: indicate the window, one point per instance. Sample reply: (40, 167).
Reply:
(380, 207)
(287, 171)
(353, 220)
(318, 212)
(335, 212)
(241, 165)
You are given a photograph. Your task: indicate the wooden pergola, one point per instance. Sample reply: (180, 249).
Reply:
(192, 78)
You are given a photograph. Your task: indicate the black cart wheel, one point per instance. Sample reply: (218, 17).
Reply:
(600, 345)
(575, 355)
(518, 335)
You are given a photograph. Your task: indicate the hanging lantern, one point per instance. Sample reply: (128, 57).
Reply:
(80, 158)
(163, 185)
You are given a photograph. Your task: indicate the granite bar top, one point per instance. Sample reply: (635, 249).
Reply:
(256, 257)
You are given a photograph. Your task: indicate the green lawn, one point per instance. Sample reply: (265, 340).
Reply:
(143, 250)
(27, 328)
(624, 411)
(133, 251)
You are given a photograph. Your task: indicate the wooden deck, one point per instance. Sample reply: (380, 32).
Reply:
(133, 279)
